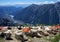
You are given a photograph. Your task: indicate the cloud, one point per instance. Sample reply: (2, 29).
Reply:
(47, 2)
(11, 16)
(58, 0)
(14, 3)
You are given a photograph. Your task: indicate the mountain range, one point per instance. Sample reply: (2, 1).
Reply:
(33, 14)
(40, 14)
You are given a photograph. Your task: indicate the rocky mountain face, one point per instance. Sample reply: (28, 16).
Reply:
(33, 14)
(8, 13)
(40, 14)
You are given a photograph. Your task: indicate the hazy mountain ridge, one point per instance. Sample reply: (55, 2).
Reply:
(8, 13)
(41, 14)
(33, 14)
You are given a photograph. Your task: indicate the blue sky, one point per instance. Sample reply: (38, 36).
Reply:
(12, 2)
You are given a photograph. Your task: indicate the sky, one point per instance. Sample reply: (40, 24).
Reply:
(13, 2)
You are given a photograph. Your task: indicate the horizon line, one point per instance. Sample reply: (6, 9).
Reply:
(18, 3)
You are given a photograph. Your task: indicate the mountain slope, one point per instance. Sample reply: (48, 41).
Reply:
(33, 14)
(8, 13)
(40, 14)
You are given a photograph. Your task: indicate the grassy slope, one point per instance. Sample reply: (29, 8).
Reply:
(2, 39)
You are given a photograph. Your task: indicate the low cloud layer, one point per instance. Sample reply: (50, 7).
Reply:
(58, 0)
(9, 3)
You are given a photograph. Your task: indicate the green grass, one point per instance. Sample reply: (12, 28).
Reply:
(56, 38)
(2, 39)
